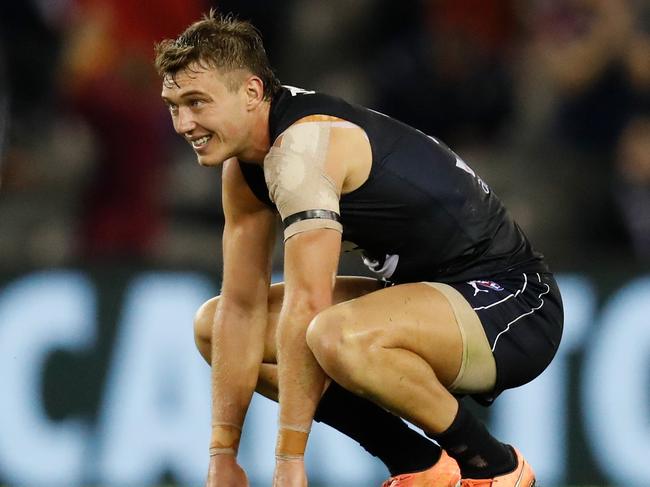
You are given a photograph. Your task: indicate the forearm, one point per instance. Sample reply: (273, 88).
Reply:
(237, 350)
(301, 379)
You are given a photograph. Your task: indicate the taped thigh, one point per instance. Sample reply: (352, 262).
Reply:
(477, 372)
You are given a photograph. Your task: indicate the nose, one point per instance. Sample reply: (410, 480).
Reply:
(184, 121)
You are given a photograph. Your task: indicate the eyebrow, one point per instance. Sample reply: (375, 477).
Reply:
(192, 92)
(186, 94)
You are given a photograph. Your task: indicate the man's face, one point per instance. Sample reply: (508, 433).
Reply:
(206, 113)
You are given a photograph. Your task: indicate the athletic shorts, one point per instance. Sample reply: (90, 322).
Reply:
(522, 316)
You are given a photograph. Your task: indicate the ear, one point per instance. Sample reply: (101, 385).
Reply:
(254, 90)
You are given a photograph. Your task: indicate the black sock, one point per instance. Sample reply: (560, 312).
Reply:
(381, 433)
(478, 453)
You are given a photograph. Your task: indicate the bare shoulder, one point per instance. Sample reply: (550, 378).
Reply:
(238, 198)
(348, 154)
(232, 175)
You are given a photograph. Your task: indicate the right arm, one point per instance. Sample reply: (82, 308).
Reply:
(241, 316)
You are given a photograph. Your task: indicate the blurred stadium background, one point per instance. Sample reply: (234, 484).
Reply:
(109, 230)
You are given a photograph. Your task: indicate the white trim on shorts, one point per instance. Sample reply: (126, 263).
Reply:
(512, 295)
(548, 289)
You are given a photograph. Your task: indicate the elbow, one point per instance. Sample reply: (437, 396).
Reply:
(298, 310)
(305, 304)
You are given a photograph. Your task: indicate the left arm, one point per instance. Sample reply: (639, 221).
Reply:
(305, 171)
(311, 261)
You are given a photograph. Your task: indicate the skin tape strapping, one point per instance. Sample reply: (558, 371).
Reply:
(298, 182)
(225, 439)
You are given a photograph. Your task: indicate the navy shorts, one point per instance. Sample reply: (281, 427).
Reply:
(522, 316)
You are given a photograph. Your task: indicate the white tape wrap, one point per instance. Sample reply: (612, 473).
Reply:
(297, 181)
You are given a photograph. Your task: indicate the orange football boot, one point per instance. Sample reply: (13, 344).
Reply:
(445, 473)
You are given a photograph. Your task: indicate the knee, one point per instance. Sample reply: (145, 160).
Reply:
(337, 348)
(203, 320)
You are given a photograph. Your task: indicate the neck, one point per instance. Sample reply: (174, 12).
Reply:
(259, 141)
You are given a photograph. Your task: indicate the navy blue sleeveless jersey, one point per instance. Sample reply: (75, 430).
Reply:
(422, 208)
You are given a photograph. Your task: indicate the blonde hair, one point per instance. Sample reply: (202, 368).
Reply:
(217, 41)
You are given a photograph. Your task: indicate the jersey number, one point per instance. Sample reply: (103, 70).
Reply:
(463, 165)
(298, 91)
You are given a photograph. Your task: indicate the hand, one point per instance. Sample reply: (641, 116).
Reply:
(290, 473)
(225, 472)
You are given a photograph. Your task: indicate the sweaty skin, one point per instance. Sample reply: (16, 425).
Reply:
(394, 345)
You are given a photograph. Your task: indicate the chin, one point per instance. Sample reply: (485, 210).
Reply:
(209, 161)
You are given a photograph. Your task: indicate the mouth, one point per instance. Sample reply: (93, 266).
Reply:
(201, 142)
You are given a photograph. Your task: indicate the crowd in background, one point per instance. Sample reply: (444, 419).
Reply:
(549, 100)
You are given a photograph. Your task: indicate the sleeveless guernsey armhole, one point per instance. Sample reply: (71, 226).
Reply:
(254, 176)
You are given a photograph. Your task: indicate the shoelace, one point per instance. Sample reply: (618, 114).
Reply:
(477, 483)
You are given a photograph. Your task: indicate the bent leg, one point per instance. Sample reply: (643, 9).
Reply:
(403, 348)
(400, 347)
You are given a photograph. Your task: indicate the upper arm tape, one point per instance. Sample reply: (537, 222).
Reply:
(305, 195)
